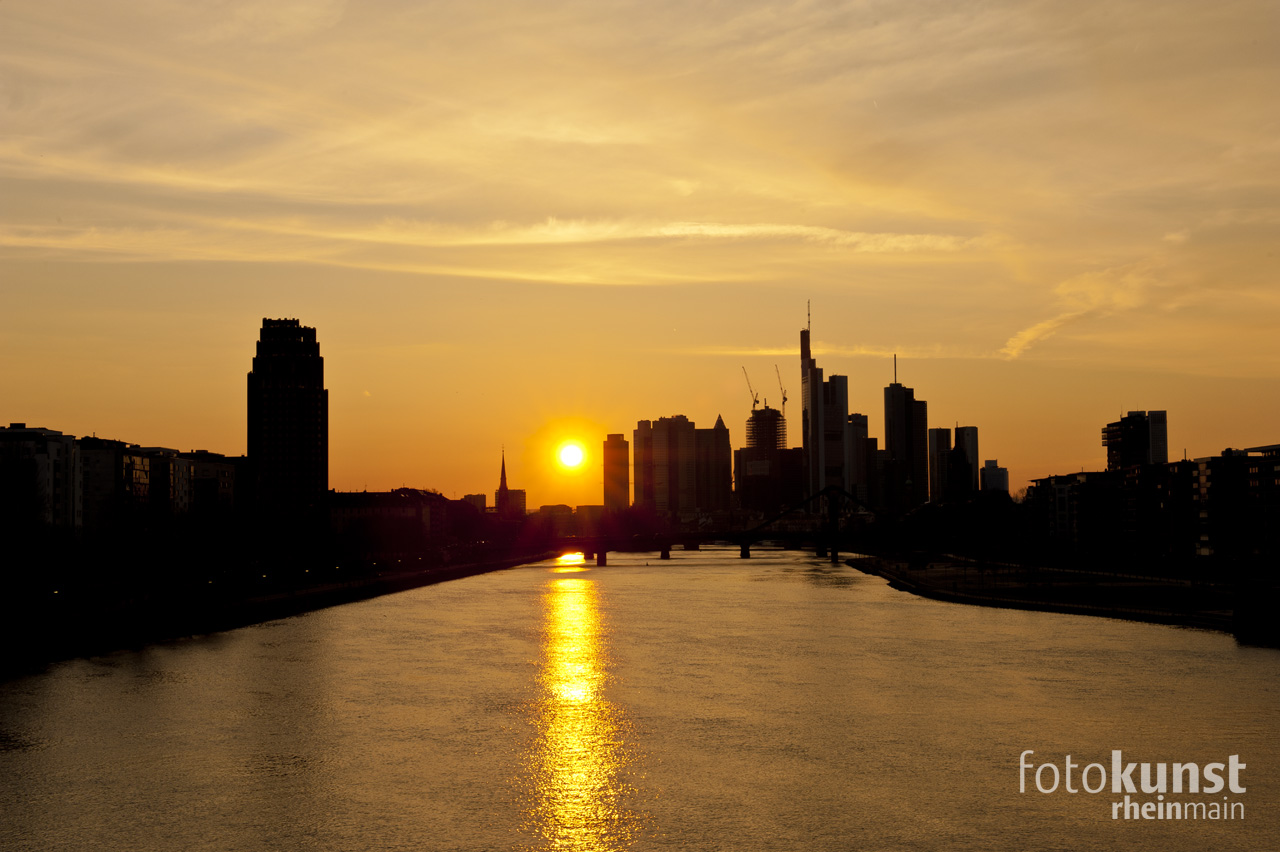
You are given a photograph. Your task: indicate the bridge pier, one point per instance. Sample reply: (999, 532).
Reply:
(666, 552)
(588, 553)
(602, 557)
(835, 555)
(744, 552)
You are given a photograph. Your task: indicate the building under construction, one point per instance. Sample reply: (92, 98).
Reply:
(768, 476)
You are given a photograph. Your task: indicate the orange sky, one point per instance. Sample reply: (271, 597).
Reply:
(513, 223)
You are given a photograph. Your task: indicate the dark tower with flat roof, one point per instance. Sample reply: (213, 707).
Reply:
(906, 477)
(617, 476)
(288, 420)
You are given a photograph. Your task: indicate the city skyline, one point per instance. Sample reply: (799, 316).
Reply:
(534, 231)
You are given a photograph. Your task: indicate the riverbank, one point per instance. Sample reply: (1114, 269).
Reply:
(1077, 592)
(47, 634)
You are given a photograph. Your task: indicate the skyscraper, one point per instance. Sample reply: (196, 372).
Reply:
(616, 474)
(906, 475)
(713, 468)
(766, 429)
(680, 468)
(859, 463)
(826, 433)
(288, 420)
(967, 443)
(939, 463)
(768, 475)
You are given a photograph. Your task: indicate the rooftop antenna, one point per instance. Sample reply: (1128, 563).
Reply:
(808, 315)
(895, 368)
(755, 397)
(784, 391)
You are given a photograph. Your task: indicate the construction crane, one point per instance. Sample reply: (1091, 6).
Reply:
(755, 397)
(784, 391)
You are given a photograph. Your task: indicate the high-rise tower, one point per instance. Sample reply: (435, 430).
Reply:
(767, 475)
(906, 443)
(288, 420)
(679, 468)
(617, 476)
(826, 432)
(967, 442)
(939, 463)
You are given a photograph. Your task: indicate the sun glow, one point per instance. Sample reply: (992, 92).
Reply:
(570, 563)
(571, 455)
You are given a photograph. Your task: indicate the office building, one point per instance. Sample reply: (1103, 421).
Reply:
(965, 452)
(713, 468)
(617, 474)
(766, 429)
(860, 458)
(288, 420)
(939, 463)
(994, 477)
(680, 469)
(767, 475)
(1140, 437)
(906, 482)
(826, 432)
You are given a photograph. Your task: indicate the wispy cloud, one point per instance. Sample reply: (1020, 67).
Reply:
(992, 173)
(1042, 330)
(1096, 294)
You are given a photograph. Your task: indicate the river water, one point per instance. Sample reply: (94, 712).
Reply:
(705, 703)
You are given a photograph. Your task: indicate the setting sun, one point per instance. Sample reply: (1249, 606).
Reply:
(570, 455)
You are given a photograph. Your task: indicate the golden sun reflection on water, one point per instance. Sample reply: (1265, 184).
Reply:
(579, 759)
(570, 563)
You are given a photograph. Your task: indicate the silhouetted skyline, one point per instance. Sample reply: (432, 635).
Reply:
(1046, 216)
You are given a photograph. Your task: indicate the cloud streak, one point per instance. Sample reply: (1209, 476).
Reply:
(991, 177)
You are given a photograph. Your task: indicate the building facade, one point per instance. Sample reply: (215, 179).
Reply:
(1140, 437)
(994, 477)
(826, 430)
(967, 444)
(288, 420)
(617, 473)
(939, 463)
(680, 469)
(40, 477)
(767, 475)
(906, 463)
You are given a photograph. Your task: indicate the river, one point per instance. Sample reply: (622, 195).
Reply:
(701, 703)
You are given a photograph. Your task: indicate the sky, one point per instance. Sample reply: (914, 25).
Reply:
(514, 224)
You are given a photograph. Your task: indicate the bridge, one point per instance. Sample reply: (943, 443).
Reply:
(823, 533)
